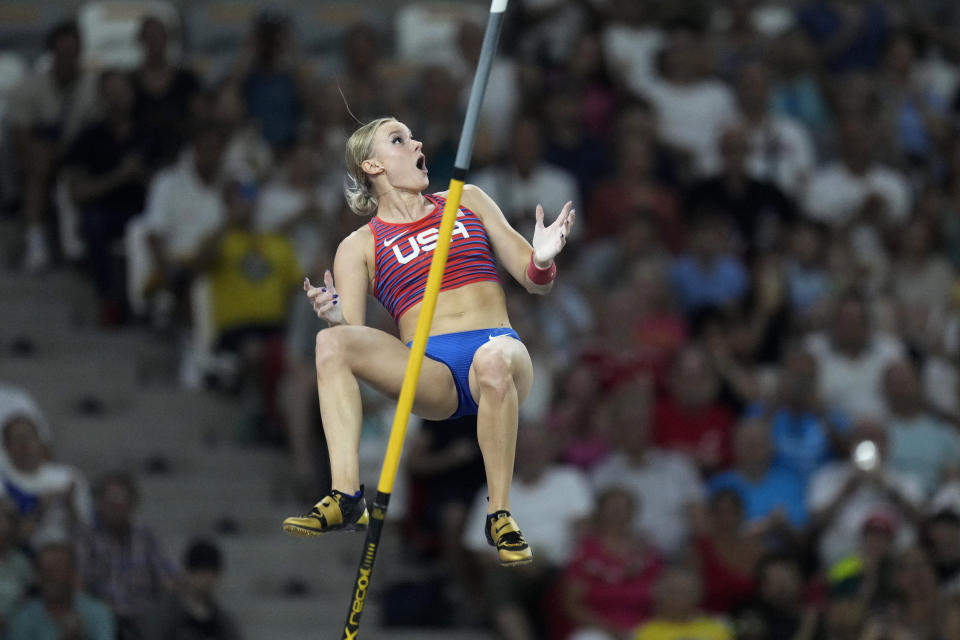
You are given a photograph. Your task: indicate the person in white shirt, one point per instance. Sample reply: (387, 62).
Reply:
(852, 359)
(554, 499)
(666, 483)
(631, 43)
(855, 187)
(843, 494)
(919, 444)
(52, 497)
(692, 109)
(780, 149)
(861, 196)
(528, 180)
(184, 207)
(44, 114)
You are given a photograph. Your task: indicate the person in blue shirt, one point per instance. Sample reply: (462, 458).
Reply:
(61, 611)
(805, 434)
(773, 497)
(709, 273)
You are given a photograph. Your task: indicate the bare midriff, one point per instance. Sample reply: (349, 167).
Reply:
(480, 305)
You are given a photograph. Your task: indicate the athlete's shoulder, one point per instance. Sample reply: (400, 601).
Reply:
(358, 239)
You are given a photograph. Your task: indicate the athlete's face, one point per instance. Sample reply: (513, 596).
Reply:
(398, 158)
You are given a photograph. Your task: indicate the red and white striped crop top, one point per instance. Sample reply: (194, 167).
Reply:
(403, 251)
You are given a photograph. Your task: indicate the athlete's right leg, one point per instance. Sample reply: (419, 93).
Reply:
(344, 355)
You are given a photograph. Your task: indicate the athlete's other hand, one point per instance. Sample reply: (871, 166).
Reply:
(548, 241)
(324, 299)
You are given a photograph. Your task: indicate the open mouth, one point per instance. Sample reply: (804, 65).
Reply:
(422, 162)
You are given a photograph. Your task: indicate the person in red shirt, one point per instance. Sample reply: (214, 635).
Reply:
(608, 586)
(689, 417)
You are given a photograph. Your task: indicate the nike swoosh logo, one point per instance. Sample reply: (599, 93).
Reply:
(387, 243)
(503, 526)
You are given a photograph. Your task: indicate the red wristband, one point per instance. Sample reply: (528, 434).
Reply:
(541, 276)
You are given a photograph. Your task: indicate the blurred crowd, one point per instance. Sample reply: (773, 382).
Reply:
(746, 415)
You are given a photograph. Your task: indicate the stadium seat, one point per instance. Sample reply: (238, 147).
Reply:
(218, 27)
(109, 29)
(24, 24)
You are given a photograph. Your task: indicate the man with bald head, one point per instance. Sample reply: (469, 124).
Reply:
(771, 495)
(919, 443)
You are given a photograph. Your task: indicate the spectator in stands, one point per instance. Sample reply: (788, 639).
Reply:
(855, 189)
(915, 115)
(805, 433)
(921, 279)
(736, 40)
(247, 156)
(122, 562)
(437, 118)
(942, 534)
(690, 418)
(756, 207)
(665, 483)
(727, 552)
(678, 614)
(915, 612)
(808, 280)
(633, 191)
(192, 612)
(777, 610)
(780, 150)
(165, 96)
(527, 178)
(692, 108)
(185, 206)
(557, 498)
(501, 99)
(369, 87)
(45, 114)
(857, 194)
(273, 80)
(709, 274)
(867, 574)
(920, 445)
(446, 471)
(52, 497)
(15, 401)
(772, 496)
(16, 571)
(290, 204)
(844, 494)
(568, 142)
(632, 41)
(847, 36)
(107, 173)
(608, 586)
(851, 358)
(252, 276)
(796, 91)
(61, 611)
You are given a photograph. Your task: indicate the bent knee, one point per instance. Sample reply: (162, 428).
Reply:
(494, 371)
(330, 346)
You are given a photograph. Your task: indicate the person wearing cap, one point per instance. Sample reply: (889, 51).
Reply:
(193, 613)
(867, 574)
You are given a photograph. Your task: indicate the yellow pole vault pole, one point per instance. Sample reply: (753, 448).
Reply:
(398, 432)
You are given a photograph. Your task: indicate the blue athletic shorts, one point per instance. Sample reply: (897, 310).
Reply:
(456, 351)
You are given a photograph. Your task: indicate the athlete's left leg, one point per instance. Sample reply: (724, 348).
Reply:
(500, 378)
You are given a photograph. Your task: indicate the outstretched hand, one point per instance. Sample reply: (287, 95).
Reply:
(549, 241)
(325, 300)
